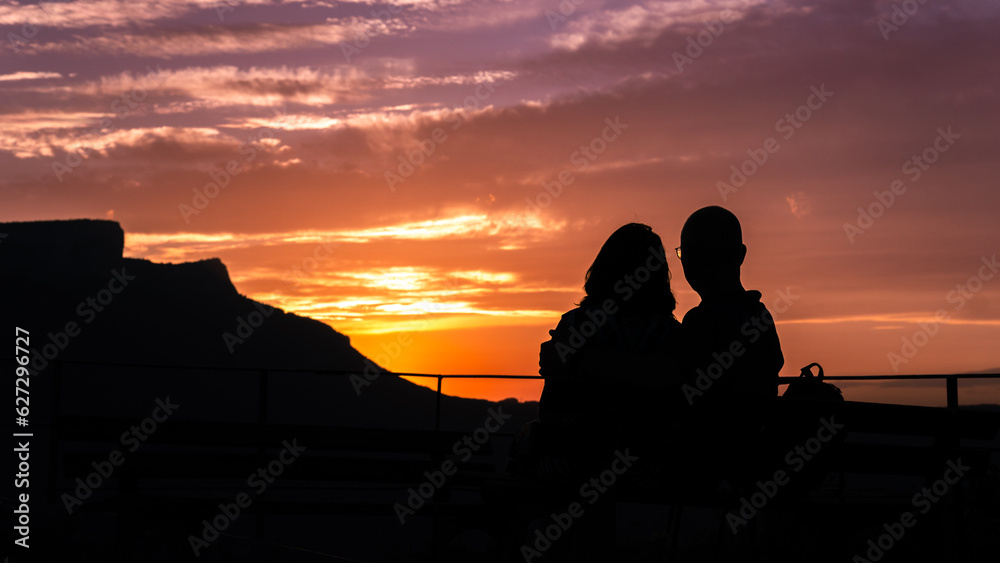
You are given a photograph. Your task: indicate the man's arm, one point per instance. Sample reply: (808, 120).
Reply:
(700, 339)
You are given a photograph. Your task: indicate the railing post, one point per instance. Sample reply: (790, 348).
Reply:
(445, 493)
(262, 396)
(437, 406)
(952, 383)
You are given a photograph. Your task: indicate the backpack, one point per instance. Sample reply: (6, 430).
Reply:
(808, 386)
(812, 400)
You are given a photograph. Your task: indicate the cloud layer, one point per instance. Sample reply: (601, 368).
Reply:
(469, 158)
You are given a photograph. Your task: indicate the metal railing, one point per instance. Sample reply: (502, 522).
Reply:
(263, 374)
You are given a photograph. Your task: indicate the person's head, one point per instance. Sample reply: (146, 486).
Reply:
(712, 250)
(631, 269)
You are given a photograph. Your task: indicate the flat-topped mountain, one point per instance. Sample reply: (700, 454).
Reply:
(68, 284)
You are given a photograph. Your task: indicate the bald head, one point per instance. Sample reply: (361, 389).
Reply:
(712, 250)
(712, 227)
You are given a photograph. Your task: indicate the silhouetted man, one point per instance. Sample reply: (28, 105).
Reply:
(733, 351)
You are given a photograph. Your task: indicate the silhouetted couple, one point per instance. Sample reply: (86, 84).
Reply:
(685, 398)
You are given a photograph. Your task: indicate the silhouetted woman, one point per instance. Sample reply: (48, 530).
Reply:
(609, 363)
(606, 367)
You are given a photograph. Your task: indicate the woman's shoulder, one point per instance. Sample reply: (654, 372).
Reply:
(568, 319)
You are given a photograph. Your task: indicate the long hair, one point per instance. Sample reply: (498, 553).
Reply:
(631, 269)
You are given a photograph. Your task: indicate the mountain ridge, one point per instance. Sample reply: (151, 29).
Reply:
(82, 300)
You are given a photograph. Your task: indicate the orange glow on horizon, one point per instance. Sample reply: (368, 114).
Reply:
(468, 320)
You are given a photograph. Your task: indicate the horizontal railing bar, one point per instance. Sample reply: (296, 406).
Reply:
(782, 379)
(891, 377)
(785, 378)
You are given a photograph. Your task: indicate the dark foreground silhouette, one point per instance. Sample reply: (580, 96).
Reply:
(640, 408)
(148, 431)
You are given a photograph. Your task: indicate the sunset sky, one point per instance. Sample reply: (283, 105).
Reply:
(442, 173)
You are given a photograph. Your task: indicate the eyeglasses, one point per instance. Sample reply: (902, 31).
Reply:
(678, 251)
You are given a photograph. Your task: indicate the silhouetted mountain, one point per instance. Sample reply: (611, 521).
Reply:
(126, 310)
